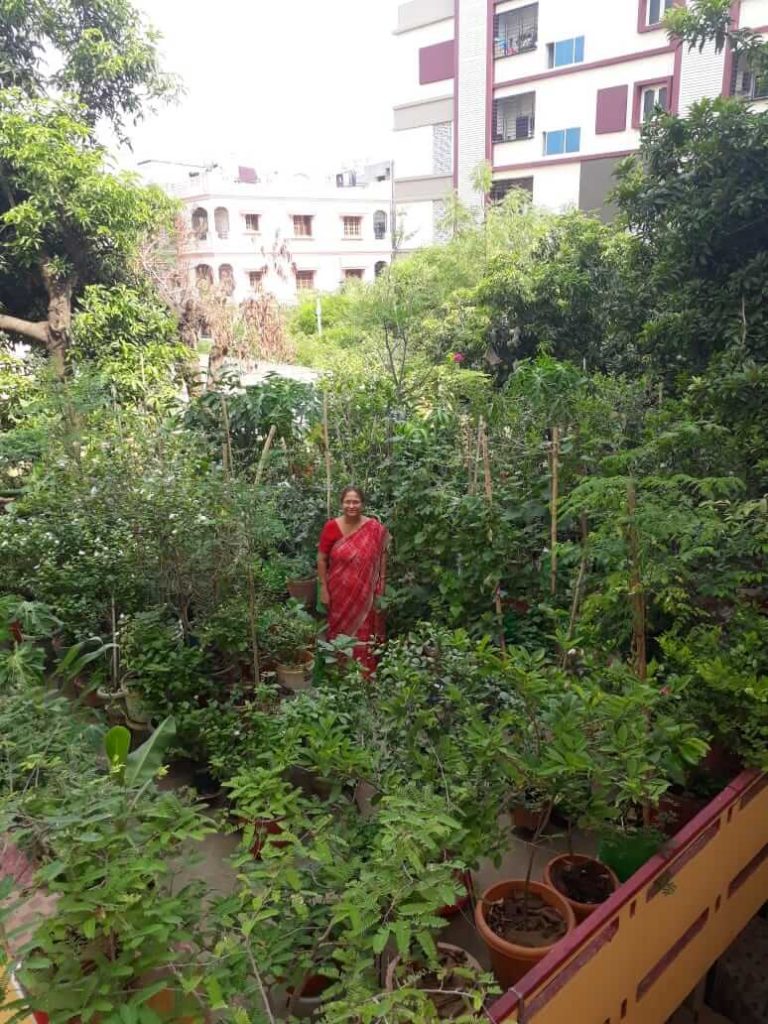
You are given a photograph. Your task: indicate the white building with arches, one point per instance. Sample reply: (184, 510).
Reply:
(285, 234)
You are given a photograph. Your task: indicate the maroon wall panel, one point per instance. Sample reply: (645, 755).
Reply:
(436, 63)
(612, 109)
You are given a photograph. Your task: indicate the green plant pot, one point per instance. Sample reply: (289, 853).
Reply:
(625, 854)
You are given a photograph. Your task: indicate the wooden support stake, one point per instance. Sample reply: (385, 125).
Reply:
(265, 453)
(555, 478)
(637, 595)
(327, 453)
(483, 435)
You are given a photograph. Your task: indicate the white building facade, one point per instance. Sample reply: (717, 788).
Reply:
(285, 234)
(552, 94)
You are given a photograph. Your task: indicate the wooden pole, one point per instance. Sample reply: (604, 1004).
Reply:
(265, 453)
(327, 453)
(555, 464)
(489, 497)
(637, 596)
(228, 464)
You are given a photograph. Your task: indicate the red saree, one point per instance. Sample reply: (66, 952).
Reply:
(354, 582)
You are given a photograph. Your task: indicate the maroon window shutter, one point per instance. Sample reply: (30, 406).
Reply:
(612, 109)
(436, 63)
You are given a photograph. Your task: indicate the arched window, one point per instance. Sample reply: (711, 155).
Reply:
(204, 274)
(380, 224)
(221, 220)
(200, 223)
(380, 267)
(227, 278)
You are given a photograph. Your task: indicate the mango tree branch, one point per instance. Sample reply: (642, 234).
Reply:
(35, 330)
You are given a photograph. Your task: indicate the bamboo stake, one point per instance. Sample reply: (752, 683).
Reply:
(265, 453)
(327, 453)
(228, 462)
(555, 463)
(114, 645)
(478, 449)
(637, 596)
(489, 498)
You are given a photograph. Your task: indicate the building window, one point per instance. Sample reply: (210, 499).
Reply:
(746, 84)
(655, 11)
(204, 274)
(380, 225)
(302, 226)
(653, 98)
(353, 227)
(353, 275)
(200, 223)
(650, 96)
(567, 140)
(252, 222)
(255, 278)
(514, 117)
(379, 268)
(221, 221)
(567, 51)
(516, 31)
(500, 189)
(227, 279)
(305, 280)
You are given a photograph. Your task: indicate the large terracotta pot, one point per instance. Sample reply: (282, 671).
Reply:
(580, 910)
(509, 960)
(304, 591)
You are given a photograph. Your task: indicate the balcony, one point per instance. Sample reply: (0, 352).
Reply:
(514, 118)
(516, 32)
(746, 84)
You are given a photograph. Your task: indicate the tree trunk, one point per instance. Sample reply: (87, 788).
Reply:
(59, 326)
(188, 326)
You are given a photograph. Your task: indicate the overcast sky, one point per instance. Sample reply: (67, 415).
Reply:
(277, 84)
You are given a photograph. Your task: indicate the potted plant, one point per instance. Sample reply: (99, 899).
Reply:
(263, 805)
(286, 634)
(301, 581)
(584, 881)
(451, 985)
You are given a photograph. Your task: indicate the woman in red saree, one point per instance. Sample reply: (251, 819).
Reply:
(352, 568)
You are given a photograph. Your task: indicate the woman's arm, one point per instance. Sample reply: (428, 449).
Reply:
(322, 575)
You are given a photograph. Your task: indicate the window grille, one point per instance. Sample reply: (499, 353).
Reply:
(514, 117)
(516, 31)
(305, 280)
(302, 226)
(353, 227)
(252, 222)
(380, 224)
(499, 189)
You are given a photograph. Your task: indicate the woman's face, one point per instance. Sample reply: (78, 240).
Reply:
(352, 505)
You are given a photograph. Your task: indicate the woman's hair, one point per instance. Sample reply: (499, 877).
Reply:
(351, 487)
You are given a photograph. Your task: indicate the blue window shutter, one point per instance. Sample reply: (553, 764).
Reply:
(578, 50)
(555, 143)
(573, 140)
(563, 53)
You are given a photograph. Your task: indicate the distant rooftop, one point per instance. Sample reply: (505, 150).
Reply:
(182, 179)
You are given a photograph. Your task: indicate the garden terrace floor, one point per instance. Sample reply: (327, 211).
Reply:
(214, 869)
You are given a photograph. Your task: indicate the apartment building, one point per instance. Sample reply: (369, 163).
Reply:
(551, 93)
(283, 233)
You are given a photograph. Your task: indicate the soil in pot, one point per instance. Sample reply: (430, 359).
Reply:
(516, 941)
(526, 922)
(584, 882)
(445, 988)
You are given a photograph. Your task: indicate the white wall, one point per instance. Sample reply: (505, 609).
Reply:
(417, 223)
(557, 188)
(413, 152)
(754, 13)
(405, 86)
(472, 63)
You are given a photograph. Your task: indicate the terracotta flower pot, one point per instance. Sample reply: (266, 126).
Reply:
(509, 960)
(465, 879)
(310, 998)
(530, 820)
(581, 910)
(449, 953)
(264, 827)
(304, 591)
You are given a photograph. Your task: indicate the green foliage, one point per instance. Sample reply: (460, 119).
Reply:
(102, 54)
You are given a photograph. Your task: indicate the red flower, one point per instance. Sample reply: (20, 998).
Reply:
(458, 357)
